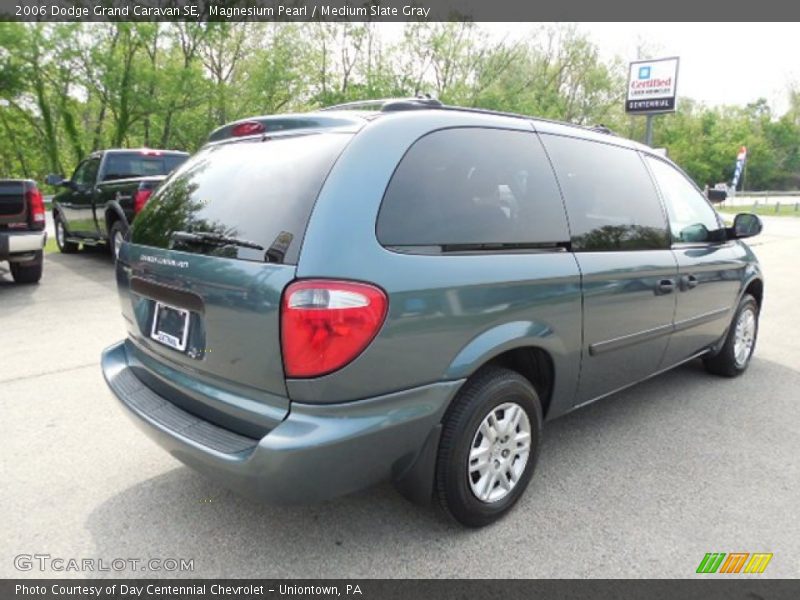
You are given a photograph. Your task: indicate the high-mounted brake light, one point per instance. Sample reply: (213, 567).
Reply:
(140, 199)
(247, 128)
(35, 207)
(325, 324)
(151, 152)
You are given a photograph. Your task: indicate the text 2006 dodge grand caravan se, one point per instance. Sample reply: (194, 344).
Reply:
(318, 302)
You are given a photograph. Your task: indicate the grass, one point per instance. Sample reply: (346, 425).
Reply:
(51, 245)
(786, 210)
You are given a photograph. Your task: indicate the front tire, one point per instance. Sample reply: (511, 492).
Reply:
(488, 448)
(29, 271)
(64, 246)
(740, 342)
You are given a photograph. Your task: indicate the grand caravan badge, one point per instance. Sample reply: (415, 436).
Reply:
(163, 260)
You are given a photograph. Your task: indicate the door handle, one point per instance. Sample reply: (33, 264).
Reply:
(688, 282)
(665, 286)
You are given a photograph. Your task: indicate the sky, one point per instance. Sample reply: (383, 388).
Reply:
(721, 63)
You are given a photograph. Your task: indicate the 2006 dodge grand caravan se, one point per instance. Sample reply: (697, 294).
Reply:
(317, 302)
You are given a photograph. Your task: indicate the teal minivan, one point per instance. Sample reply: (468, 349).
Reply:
(406, 290)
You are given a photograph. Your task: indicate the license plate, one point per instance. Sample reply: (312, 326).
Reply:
(170, 326)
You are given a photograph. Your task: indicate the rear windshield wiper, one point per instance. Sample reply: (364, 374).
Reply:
(214, 238)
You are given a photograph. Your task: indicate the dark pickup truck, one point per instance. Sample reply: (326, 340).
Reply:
(22, 234)
(105, 193)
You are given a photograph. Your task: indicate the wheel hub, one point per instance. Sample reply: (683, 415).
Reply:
(499, 452)
(117, 243)
(744, 336)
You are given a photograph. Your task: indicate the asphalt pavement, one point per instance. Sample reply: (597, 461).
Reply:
(641, 484)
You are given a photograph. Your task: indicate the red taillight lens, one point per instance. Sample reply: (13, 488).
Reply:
(140, 199)
(35, 208)
(326, 324)
(247, 128)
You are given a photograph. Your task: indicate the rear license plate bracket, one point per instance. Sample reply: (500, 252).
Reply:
(170, 326)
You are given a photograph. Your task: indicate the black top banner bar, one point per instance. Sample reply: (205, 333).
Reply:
(400, 10)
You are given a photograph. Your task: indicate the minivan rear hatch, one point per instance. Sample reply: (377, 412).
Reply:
(209, 258)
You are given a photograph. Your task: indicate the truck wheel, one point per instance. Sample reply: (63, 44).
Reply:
(116, 236)
(489, 446)
(61, 237)
(734, 356)
(29, 271)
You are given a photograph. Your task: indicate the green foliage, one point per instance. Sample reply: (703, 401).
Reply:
(71, 88)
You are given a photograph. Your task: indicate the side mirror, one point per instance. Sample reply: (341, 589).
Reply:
(694, 233)
(716, 196)
(55, 180)
(746, 225)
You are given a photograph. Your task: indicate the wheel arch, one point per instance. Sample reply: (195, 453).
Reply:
(528, 347)
(113, 213)
(755, 287)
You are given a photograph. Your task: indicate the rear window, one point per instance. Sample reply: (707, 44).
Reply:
(138, 164)
(248, 199)
(473, 188)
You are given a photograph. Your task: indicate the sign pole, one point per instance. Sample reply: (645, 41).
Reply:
(648, 130)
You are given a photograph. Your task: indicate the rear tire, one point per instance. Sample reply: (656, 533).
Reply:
(116, 236)
(488, 448)
(29, 271)
(64, 246)
(740, 342)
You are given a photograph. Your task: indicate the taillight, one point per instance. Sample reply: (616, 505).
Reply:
(140, 199)
(325, 324)
(35, 208)
(247, 128)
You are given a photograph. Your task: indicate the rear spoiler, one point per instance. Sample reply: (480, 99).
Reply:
(279, 123)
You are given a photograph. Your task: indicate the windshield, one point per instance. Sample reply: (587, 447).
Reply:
(248, 199)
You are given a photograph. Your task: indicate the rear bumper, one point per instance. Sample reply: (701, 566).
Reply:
(316, 452)
(14, 243)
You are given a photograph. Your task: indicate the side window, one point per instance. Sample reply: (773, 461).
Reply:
(691, 218)
(611, 200)
(80, 173)
(473, 186)
(86, 173)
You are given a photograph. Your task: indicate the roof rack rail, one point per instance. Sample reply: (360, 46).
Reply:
(600, 128)
(423, 101)
(389, 104)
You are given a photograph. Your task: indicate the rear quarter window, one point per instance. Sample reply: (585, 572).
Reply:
(472, 186)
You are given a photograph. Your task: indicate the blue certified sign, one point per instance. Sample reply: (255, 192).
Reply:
(644, 72)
